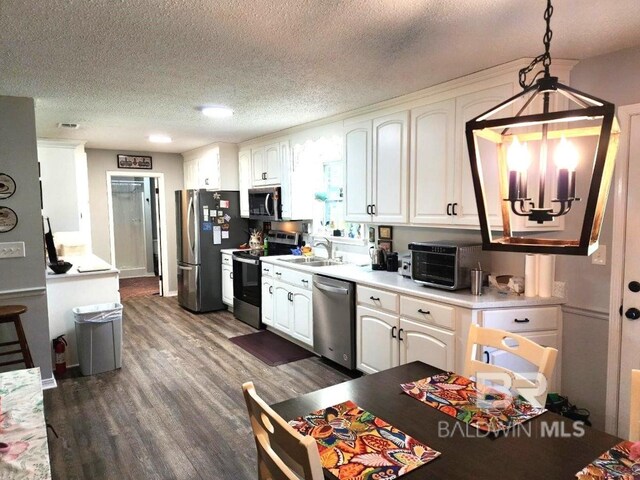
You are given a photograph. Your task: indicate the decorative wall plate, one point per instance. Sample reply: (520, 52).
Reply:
(8, 219)
(7, 186)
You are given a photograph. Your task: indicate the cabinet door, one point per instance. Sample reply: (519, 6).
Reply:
(227, 285)
(468, 107)
(376, 349)
(432, 163)
(209, 170)
(358, 171)
(302, 315)
(390, 167)
(257, 166)
(267, 301)
(286, 181)
(244, 181)
(281, 308)
(191, 174)
(272, 164)
(428, 344)
(517, 364)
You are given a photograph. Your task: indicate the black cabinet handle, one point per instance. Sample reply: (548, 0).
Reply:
(521, 320)
(305, 281)
(375, 299)
(230, 274)
(453, 209)
(400, 335)
(426, 312)
(271, 289)
(449, 209)
(278, 273)
(488, 357)
(369, 210)
(393, 332)
(373, 209)
(290, 296)
(265, 269)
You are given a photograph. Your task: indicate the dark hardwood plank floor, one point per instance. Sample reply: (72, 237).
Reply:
(175, 410)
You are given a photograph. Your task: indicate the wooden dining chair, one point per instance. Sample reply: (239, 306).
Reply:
(542, 357)
(634, 407)
(282, 451)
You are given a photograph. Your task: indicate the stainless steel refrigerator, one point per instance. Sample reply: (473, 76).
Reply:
(206, 223)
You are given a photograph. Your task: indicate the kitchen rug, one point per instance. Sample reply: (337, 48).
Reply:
(614, 464)
(488, 410)
(272, 349)
(355, 444)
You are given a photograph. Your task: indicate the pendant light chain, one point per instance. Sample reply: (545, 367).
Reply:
(544, 58)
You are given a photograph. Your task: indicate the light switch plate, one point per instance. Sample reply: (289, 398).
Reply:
(12, 250)
(599, 257)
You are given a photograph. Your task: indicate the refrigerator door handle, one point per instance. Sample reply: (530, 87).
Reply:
(180, 267)
(266, 204)
(189, 210)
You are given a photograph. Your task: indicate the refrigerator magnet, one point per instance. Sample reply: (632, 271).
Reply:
(217, 235)
(225, 234)
(224, 203)
(225, 226)
(207, 226)
(7, 186)
(8, 219)
(227, 217)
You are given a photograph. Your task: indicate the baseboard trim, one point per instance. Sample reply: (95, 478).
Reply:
(586, 312)
(49, 383)
(23, 292)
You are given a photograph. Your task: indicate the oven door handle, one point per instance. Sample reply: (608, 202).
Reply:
(245, 260)
(266, 204)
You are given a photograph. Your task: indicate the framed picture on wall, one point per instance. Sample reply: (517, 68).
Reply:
(138, 162)
(385, 245)
(385, 232)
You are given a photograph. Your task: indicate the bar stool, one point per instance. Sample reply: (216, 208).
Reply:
(9, 314)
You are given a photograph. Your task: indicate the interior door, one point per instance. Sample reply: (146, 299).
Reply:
(630, 335)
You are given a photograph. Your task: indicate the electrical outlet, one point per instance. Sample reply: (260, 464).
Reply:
(559, 290)
(12, 250)
(599, 257)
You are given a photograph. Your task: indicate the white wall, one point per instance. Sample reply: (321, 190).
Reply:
(19, 158)
(99, 163)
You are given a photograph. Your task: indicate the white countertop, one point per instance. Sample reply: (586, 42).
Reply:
(90, 264)
(363, 275)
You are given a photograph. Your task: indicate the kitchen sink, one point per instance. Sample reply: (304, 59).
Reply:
(313, 261)
(303, 259)
(323, 263)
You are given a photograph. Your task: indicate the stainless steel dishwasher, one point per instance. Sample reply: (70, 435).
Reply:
(334, 322)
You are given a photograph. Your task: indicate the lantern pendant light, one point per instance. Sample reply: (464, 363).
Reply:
(531, 185)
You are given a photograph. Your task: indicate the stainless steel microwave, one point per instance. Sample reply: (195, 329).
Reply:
(444, 265)
(265, 204)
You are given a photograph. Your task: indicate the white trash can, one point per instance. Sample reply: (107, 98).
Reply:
(99, 337)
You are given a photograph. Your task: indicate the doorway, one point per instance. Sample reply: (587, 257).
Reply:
(137, 227)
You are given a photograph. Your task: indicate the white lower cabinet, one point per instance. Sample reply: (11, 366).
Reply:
(291, 304)
(227, 280)
(428, 344)
(266, 307)
(376, 340)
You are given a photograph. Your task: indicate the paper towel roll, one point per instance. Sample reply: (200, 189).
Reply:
(545, 275)
(531, 275)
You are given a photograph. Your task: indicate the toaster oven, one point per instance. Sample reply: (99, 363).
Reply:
(444, 265)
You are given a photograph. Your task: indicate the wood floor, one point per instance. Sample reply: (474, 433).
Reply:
(175, 410)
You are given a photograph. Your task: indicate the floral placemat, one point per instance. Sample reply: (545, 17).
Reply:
(621, 462)
(22, 427)
(483, 408)
(355, 444)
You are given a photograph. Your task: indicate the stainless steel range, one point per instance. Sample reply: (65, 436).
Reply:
(247, 275)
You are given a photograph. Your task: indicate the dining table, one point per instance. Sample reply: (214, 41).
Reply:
(549, 446)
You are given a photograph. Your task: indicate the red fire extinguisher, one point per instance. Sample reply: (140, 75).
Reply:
(59, 347)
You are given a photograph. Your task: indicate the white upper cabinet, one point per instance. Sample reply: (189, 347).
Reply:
(265, 165)
(358, 171)
(376, 163)
(244, 180)
(468, 107)
(212, 167)
(432, 167)
(390, 165)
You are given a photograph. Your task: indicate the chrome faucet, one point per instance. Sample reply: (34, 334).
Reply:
(327, 244)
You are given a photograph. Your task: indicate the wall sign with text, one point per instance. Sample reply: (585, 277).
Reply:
(140, 162)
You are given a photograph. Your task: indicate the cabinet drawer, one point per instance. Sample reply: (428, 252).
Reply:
(380, 299)
(293, 277)
(227, 259)
(267, 269)
(522, 319)
(427, 312)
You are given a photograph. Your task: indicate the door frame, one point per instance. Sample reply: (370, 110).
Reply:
(625, 113)
(164, 260)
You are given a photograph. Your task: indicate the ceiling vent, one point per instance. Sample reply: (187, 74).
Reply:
(73, 126)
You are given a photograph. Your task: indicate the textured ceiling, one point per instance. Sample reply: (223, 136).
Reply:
(125, 69)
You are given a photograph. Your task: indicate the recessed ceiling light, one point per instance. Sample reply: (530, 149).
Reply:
(160, 139)
(217, 112)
